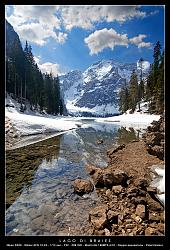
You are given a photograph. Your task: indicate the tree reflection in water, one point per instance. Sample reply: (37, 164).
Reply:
(22, 163)
(126, 135)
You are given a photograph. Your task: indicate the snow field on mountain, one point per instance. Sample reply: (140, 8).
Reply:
(94, 89)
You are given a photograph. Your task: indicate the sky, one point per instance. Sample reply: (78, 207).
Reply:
(70, 37)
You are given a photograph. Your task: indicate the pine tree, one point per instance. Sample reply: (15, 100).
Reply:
(133, 91)
(124, 99)
(155, 81)
(160, 86)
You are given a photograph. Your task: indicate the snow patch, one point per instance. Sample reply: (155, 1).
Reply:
(159, 181)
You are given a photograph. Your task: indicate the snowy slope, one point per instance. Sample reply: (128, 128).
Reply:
(95, 91)
(137, 120)
(30, 123)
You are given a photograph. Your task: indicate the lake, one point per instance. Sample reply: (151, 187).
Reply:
(40, 198)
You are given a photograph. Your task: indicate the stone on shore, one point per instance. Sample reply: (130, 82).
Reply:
(83, 186)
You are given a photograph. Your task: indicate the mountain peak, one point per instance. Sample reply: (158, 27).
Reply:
(95, 91)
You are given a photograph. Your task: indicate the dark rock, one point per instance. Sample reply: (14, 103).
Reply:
(154, 205)
(141, 192)
(139, 200)
(98, 178)
(113, 216)
(108, 178)
(155, 138)
(120, 177)
(157, 151)
(83, 186)
(141, 183)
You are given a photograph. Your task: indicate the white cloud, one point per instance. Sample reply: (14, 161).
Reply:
(61, 37)
(36, 23)
(85, 16)
(137, 40)
(35, 33)
(105, 38)
(48, 67)
(38, 13)
(109, 38)
(144, 44)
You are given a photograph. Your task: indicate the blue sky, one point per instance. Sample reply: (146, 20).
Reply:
(65, 38)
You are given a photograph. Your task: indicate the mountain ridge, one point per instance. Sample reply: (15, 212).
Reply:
(95, 91)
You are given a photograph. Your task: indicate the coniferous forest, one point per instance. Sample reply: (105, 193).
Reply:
(25, 81)
(150, 89)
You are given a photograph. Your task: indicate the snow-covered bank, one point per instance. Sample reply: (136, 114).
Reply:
(136, 120)
(31, 123)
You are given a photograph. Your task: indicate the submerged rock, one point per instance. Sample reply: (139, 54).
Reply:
(91, 169)
(100, 141)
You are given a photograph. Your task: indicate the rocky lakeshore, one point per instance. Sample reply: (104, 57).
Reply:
(128, 203)
(11, 134)
(113, 199)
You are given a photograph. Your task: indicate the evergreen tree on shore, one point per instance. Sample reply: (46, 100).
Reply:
(25, 81)
(153, 92)
(133, 91)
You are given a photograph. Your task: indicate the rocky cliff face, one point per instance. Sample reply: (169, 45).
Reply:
(95, 91)
(11, 39)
